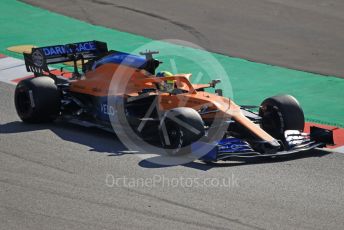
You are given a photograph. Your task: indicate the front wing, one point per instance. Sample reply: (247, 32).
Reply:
(234, 148)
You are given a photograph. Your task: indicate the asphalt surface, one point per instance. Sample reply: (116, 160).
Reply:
(61, 176)
(300, 34)
(53, 176)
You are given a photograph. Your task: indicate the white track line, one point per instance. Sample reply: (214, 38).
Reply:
(11, 69)
(339, 149)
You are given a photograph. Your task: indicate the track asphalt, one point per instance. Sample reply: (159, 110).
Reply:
(299, 34)
(53, 176)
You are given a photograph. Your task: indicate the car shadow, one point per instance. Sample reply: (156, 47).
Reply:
(101, 141)
(98, 140)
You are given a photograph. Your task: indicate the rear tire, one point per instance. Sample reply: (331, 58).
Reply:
(37, 100)
(183, 126)
(281, 113)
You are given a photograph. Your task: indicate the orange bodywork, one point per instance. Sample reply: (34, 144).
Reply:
(124, 81)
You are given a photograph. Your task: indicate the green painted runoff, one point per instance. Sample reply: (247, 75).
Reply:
(322, 97)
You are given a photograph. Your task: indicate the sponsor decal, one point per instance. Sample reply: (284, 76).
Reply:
(62, 49)
(107, 109)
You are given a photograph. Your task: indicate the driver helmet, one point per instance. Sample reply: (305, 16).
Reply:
(164, 74)
(169, 83)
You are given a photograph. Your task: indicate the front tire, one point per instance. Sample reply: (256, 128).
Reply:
(37, 100)
(179, 128)
(281, 113)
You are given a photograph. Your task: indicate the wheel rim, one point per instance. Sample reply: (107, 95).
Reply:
(174, 134)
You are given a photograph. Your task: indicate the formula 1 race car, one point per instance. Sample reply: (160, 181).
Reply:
(168, 111)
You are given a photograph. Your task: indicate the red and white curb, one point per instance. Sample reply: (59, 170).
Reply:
(338, 136)
(13, 70)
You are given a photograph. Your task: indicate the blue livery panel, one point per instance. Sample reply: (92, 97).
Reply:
(233, 145)
(104, 108)
(224, 147)
(123, 59)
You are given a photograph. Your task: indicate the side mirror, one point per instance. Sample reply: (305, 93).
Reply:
(219, 92)
(213, 83)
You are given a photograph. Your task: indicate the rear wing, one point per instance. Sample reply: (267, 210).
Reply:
(39, 59)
